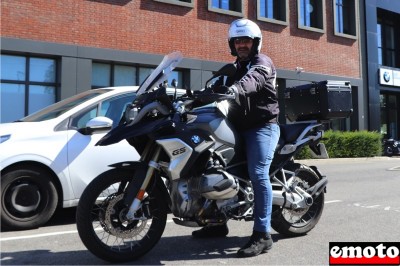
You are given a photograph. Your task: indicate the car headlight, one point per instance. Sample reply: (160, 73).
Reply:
(5, 138)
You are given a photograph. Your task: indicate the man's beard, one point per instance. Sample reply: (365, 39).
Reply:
(243, 54)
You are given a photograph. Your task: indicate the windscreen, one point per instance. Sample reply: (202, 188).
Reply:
(161, 73)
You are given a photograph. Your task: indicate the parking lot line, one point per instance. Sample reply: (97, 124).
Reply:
(332, 201)
(38, 235)
(47, 234)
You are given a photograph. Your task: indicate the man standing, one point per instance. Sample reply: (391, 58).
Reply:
(254, 114)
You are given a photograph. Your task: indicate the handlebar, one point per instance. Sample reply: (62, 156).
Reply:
(207, 97)
(199, 98)
(134, 114)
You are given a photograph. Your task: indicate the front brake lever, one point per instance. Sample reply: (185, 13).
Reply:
(212, 97)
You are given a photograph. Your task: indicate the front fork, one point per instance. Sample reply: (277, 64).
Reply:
(153, 165)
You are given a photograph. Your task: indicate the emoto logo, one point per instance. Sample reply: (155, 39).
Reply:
(370, 253)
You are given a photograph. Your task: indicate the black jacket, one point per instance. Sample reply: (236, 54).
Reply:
(255, 81)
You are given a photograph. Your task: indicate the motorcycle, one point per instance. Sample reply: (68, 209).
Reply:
(192, 165)
(391, 147)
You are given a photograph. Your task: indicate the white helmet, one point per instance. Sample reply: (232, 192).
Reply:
(245, 28)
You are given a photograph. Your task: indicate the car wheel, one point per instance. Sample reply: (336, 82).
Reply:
(28, 198)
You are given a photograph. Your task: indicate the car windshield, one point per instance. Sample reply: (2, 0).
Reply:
(55, 110)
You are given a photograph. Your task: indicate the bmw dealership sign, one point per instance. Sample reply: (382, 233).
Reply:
(389, 77)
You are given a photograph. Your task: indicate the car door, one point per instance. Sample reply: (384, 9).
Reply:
(86, 160)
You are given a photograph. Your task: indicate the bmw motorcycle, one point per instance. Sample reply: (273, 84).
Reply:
(192, 165)
(391, 147)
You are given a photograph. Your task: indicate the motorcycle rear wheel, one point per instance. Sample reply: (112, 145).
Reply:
(299, 222)
(101, 223)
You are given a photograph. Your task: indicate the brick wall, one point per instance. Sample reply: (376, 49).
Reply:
(153, 27)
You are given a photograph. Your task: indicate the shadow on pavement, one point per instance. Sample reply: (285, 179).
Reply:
(168, 249)
(62, 217)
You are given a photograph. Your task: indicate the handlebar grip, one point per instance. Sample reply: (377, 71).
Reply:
(231, 96)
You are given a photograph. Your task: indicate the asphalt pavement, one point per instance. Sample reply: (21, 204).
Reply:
(362, 204)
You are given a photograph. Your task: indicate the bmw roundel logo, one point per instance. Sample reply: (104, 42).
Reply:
(196, 139)
(386, 76)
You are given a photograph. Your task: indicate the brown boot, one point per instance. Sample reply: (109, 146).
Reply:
(220, 230)
(260, 242)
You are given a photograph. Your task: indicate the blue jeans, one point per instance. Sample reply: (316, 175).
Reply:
(260, 147)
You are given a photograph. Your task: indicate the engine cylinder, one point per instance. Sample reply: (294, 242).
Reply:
(218, 185)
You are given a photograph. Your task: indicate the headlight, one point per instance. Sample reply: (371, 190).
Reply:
(5, 138)
(131, 112)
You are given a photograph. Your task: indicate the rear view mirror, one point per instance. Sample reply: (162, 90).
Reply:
(97, 124)
(227, 70)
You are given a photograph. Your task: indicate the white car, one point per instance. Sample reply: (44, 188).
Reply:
(48, 158)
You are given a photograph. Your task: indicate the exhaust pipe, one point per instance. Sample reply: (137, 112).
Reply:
(292, 200)
(300, 198)
(316, 190)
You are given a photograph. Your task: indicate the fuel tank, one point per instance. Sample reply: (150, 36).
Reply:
(212, 120)
(227, 140)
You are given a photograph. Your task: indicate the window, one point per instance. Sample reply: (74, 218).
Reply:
(275, 11)
(388, 39)
(345, 18)
(311, 15)
(230, 7)
(386, 45)
(28, 84)
(106, 75)
(101, 75)
(188, 3)
(124, 75)
(112, 108)
(389, 116)
(144, 72)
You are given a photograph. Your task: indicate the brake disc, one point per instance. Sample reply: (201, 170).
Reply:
(116, 222)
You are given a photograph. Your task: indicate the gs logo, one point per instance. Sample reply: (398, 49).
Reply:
(178, 151)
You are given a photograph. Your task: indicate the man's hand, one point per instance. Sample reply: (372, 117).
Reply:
(232, 90)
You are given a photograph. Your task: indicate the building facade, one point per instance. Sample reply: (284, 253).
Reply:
(51, 50)
(382, 65)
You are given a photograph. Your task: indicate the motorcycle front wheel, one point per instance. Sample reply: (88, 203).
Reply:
(103, 227)
(388, 151)
(299, 222)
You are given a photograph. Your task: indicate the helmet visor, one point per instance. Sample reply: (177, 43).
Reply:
(242, 40)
